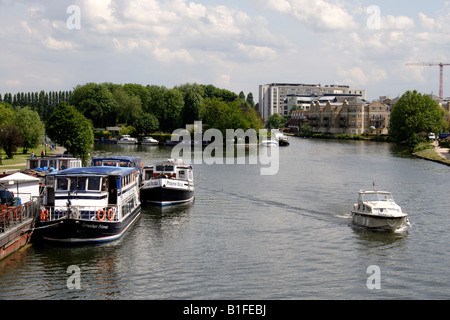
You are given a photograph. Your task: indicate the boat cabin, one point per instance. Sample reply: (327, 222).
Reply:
(117, 161)
(60, 162)
(170, 169)
(90, 189)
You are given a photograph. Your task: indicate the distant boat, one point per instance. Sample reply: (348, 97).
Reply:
(378, 210)
(88, 205)
(126, 139)
(167, 182)
(282, 139)
(269, 143)
(149, 141)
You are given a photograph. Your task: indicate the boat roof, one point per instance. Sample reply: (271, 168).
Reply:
(90, 171)
(373, 192)
(117, 158)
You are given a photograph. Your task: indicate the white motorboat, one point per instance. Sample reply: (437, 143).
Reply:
(378, 210)
(282, 139)
(126, 139)
(149, 141)
(269, 143)
(167, 182)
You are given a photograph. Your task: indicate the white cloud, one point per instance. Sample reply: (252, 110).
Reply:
(390, 22)
(320, 15)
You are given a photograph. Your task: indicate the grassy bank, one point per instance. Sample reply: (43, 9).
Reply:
(19, 160)
(427, 151)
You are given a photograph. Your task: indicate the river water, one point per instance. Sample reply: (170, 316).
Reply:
(251, 236)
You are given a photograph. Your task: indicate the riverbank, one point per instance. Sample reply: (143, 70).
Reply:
(436, 154)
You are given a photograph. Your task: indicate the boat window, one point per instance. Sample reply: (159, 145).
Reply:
(61, 184)
(168, 168)
(34, 164)
(77, 183)
(148, 174)
(94, 183)
(43, 163)
(63, 164)
(52, 164)
(159, 167)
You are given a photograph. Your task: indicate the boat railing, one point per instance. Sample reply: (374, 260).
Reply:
(11, 216)
(89, 213)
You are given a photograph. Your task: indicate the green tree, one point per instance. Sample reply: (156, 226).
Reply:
(68, 127)
(7, 114)
(30, 127)
(146, 124)
(129, 107)
(413, 116)
(96, 103)
(193, 96)
(250, 100)
(275, 121)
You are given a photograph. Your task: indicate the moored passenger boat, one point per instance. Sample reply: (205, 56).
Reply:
(167, 182)
(91, 204)
(117, 161)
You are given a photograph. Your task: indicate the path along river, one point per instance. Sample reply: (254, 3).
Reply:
(249, 236)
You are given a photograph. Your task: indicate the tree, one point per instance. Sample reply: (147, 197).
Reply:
(413, 116)
(275, 121)
(30, 127)
(10, 139)
(148, 123)
(68, 127)
(96, 103)
(250, 100)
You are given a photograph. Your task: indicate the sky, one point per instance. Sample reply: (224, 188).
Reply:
(237, 45)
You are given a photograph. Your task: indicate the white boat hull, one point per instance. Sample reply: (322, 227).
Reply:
(379, 222)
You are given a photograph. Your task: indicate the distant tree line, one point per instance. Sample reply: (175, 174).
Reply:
(137, 108)
(42, 102)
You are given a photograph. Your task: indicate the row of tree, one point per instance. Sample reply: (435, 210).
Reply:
(72, 116)
(42, 102)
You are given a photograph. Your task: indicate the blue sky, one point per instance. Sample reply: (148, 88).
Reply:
(236, 45)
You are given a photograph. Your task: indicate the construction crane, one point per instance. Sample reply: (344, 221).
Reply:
(441, 70)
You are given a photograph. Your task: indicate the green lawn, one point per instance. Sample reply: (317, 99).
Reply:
(19, 160)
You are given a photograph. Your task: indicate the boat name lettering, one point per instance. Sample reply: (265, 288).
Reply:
(94, 226)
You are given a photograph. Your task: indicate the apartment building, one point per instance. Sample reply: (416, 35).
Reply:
(282, 97)
(351, 115)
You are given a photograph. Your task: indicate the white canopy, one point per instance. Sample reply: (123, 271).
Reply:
(26, 187)
(18, 177)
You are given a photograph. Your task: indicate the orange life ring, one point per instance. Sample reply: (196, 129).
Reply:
(44, 215)
(110, 214)
(102, 216)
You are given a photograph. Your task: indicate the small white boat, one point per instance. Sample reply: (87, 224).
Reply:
(149, 141)
(269, 143)
(282, 139)
(378, 210)
(126, 139)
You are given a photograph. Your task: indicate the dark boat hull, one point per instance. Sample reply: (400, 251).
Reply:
(78, 231)
(165, 196)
